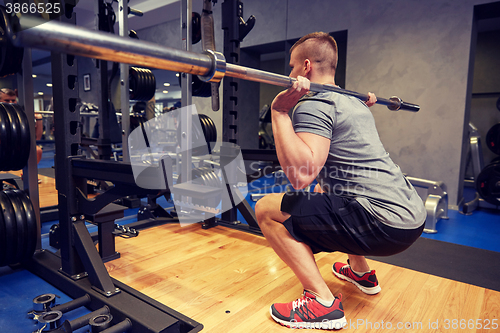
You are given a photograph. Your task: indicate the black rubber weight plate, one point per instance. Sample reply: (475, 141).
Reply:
(211, 134)
(214, 130)
(3, 241)
(21, 225)
(487, 184)
(152, 84)
(204, 126)
(140, 85)
(5, 140)
(133, 82)
(31, 226)
(10, 228)
(493, 139)
(209, 130)
(24, 127)
(208, 127)
(16, 137)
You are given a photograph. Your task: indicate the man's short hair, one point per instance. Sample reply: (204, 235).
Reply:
(323, 41)
(8, 92)
(8, 95)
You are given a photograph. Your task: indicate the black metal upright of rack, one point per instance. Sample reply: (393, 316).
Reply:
(232, 10)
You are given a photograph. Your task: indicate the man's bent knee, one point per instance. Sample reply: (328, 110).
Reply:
(269, 208)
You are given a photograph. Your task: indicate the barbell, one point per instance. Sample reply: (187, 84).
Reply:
(28, 31)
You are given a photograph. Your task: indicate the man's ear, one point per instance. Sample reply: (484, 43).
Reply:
(307, 67)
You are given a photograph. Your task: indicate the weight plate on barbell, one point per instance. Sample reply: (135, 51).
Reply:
(488, 184)
(21, 226)
(10, 224)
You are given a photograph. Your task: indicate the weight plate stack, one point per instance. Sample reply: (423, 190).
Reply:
(209, 131)
(205, 176)
(18, 229)
(142, 84)
(208, 134)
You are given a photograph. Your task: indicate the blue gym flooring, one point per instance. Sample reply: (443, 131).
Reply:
(18, 287)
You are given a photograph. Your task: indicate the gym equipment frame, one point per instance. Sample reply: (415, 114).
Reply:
(78, 269)
(435, 201)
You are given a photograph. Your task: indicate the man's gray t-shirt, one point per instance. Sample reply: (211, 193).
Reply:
(358, 165)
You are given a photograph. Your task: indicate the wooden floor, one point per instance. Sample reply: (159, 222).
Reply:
(227, 280)
(47, 189)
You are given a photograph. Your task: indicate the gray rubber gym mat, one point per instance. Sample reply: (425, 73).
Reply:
(455, 262)
(48, 172)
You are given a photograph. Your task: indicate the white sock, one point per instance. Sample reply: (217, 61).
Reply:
(360, 274)
(324, 303)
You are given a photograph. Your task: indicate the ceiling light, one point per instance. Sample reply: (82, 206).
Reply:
(165, 91)
(177, 74)
(33, 75)
(40, 93)
(166, 84)
(49, 84)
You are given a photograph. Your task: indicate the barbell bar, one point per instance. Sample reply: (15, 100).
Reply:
(29, 31)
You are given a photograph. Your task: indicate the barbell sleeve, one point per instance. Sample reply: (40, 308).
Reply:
(209, 66)
(394, 103)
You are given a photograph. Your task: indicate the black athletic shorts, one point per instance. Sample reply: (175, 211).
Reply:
(329, 223)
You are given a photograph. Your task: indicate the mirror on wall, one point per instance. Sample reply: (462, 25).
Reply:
(484, 110)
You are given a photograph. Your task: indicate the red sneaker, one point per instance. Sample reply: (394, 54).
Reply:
(307, 312)
(367, 283)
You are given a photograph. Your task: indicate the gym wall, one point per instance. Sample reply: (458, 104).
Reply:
(87, 66)
(417, 50)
